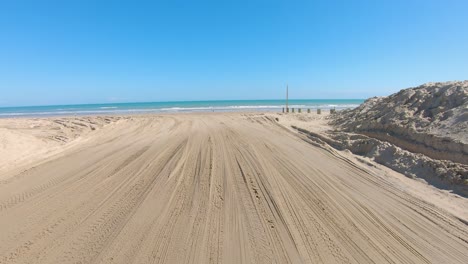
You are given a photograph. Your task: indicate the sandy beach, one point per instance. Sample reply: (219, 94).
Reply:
(233, 132)
(211, 188)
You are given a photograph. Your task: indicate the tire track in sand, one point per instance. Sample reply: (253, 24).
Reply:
(211, 188)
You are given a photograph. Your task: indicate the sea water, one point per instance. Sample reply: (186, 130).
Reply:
(181, 106)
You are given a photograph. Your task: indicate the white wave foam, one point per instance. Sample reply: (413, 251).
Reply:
(232, 108)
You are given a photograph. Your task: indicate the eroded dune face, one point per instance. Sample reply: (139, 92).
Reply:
(431, 119)
(421, 132)
(227, 188)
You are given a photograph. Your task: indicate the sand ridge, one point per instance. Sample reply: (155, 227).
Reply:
(26, 140)
(215, 188)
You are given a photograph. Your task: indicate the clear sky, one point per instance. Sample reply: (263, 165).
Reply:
(65, 52)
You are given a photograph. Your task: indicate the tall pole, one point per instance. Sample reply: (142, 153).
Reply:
(287, 91)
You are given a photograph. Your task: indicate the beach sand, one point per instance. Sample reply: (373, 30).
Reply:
(211, 188)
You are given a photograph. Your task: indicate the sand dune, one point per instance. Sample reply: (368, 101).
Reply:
(421, 132)
(213, 188)
(431, 119)
(23, 141)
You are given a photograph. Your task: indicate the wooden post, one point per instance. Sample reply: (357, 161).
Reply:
(283, 109)
(319, 111)
(293, 109)
(299, 110)
(287, 95)
(308, 110)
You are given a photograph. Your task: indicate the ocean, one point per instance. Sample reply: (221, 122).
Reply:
(177, 107)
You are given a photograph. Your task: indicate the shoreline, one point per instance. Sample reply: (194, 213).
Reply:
(177, 107)
(136, 114)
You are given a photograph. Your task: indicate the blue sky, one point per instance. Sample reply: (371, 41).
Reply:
(67, 52)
